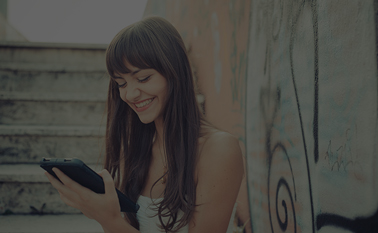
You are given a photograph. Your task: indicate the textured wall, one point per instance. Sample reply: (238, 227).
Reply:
(216, 36)
(310, 104)
(312, 116)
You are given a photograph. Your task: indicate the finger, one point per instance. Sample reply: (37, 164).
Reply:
(73, 190)
(62, 189)
(67, 200)
(71, 184)
(108, 182)
(55, 182)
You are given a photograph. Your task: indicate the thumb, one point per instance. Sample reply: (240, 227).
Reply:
(108, 181)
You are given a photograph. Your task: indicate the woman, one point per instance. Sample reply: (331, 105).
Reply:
(184, 173)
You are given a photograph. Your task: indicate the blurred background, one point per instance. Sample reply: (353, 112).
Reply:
(71, 21)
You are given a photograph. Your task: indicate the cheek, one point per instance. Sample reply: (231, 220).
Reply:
(122, 95)
(124, 100)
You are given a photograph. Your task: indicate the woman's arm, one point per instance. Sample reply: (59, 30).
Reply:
(104, 208)
(220, 172)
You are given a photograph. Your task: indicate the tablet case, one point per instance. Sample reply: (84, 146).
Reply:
(84, 175)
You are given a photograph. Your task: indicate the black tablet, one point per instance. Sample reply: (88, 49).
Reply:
(78, 171)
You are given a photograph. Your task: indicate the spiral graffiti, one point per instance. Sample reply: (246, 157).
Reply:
(272, 98)
(287, 205)
(283, 225)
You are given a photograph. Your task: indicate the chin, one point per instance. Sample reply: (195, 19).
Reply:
(145, 120)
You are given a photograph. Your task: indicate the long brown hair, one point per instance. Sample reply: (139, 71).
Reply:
(154, 43)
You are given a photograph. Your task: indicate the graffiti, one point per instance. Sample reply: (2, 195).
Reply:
(316, 84)
(357, 225)
(341, 158)
(269, 104)
(290, 29)
(273, 23)
(340, 155)
(306, 81)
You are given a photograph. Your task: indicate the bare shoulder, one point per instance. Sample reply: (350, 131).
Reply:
(219, 174)
(220, 151)
(219, 143)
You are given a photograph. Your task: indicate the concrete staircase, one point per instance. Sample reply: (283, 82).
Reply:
(52, 104)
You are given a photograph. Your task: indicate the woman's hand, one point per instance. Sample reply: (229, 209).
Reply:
(102, 207)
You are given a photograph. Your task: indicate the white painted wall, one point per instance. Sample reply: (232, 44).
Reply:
(312, 116)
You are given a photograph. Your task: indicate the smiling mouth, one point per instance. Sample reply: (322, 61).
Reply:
(144, 103)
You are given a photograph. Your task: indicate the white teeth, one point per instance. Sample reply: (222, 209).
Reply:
(144, 103)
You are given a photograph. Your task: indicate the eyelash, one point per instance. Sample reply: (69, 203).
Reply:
(144, 80)
(141, 81)
(121, 85)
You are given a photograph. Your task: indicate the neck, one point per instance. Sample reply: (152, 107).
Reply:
(159, 137)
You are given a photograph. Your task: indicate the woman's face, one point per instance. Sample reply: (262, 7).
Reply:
(144, 90)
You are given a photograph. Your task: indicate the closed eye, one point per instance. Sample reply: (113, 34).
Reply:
(144, 80)
(122, 85)
(118, 84)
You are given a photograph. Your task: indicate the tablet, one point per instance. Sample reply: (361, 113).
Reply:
(78, 171)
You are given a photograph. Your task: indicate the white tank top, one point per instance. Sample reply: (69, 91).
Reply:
(149, 223)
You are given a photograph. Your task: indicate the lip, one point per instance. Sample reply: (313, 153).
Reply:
(144, 107)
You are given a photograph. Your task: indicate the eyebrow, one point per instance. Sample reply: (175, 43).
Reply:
(132, 74)
(135, 72)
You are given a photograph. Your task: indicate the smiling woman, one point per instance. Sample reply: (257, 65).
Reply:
(160, 151)
(144, 91)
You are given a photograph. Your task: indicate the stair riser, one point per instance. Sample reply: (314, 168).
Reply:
(31, 149)
(51, 113)
(93, 57)
(62, 223)
(39, 81)
(52, 100)
(20, 197)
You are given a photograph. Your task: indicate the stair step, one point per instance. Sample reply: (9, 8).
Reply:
(26, 112)
(44, 45)
(42, 130)
(54, 97)
(52, 104)
(55, 55)
(29, 144)
(51, 67)
(30, 173)
(24, 189)
(75, 223)
(49, 81)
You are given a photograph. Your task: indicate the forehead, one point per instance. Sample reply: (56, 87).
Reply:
(130, 70)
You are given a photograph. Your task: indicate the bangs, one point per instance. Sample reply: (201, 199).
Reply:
(130, 46)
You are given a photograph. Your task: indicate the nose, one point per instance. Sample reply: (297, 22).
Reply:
(131, 93)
